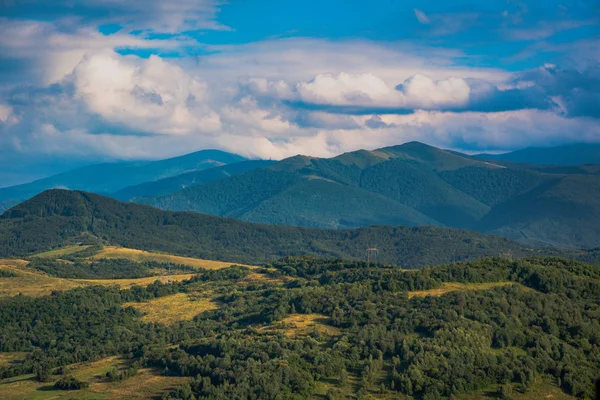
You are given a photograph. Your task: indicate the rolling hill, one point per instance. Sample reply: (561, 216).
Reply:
(56, 218)
(111, 177)
(412, 184)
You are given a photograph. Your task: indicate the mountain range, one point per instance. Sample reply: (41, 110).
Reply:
(412, 184)
(111, 177)
(407, 185)
(568, 155)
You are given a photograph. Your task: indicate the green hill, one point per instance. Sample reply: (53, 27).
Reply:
(58, 217)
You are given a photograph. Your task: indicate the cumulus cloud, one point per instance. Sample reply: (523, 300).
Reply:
(36, 52)
(151, 96)
(282, 98)
(368, 91)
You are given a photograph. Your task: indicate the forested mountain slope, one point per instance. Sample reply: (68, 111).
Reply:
(57, 217)
(412, 184)
(173, 184)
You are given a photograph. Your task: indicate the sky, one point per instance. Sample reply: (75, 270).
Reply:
(85, 81)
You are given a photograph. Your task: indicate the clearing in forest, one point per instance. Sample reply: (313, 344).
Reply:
(35, 283)
(142, 255)
(448, 287)
(303, 324)
(30, 282)
(148, 383)
(61, 252)
(169, 310)
(128, 283)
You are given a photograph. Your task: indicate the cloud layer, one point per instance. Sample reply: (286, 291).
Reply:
(69, 90)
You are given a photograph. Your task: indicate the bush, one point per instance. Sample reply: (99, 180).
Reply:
(70, 383)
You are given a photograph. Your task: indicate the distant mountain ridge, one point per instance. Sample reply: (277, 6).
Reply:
(111, 177)
(412, 184)
(567, 155)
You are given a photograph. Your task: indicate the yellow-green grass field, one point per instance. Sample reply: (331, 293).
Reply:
(297, 325)
(142, 255)
(30, 282)
(61, 252)
(448, 287)
(147, 384)
(169, 310)
(34, 283)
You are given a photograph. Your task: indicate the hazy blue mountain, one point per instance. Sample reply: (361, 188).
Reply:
(411, 184)
(111, 177)
(165, 186)
(572, 154)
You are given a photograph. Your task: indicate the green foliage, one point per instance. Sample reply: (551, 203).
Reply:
(545, 325)
(70, 383)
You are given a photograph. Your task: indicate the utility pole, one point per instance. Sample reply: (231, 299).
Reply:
(371, 253)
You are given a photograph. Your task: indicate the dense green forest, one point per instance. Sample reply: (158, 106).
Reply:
(57, 217)
(540, 323)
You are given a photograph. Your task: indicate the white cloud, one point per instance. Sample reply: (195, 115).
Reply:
(277, 99)
(151, 96)
(47, 54)
(368, 90)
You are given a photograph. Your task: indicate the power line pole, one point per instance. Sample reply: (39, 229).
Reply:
(371, 253)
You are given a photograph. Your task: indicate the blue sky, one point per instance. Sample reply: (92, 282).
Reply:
(96, 80)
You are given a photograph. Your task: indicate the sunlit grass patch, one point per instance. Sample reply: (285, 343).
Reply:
(169, 310)
(303, 324)
(448, 287)
(30, 282)
(141, 255)
(7, 359)
(257, 278)
(34, 283)
(130, 282)
(148, 383)
(61, 252)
